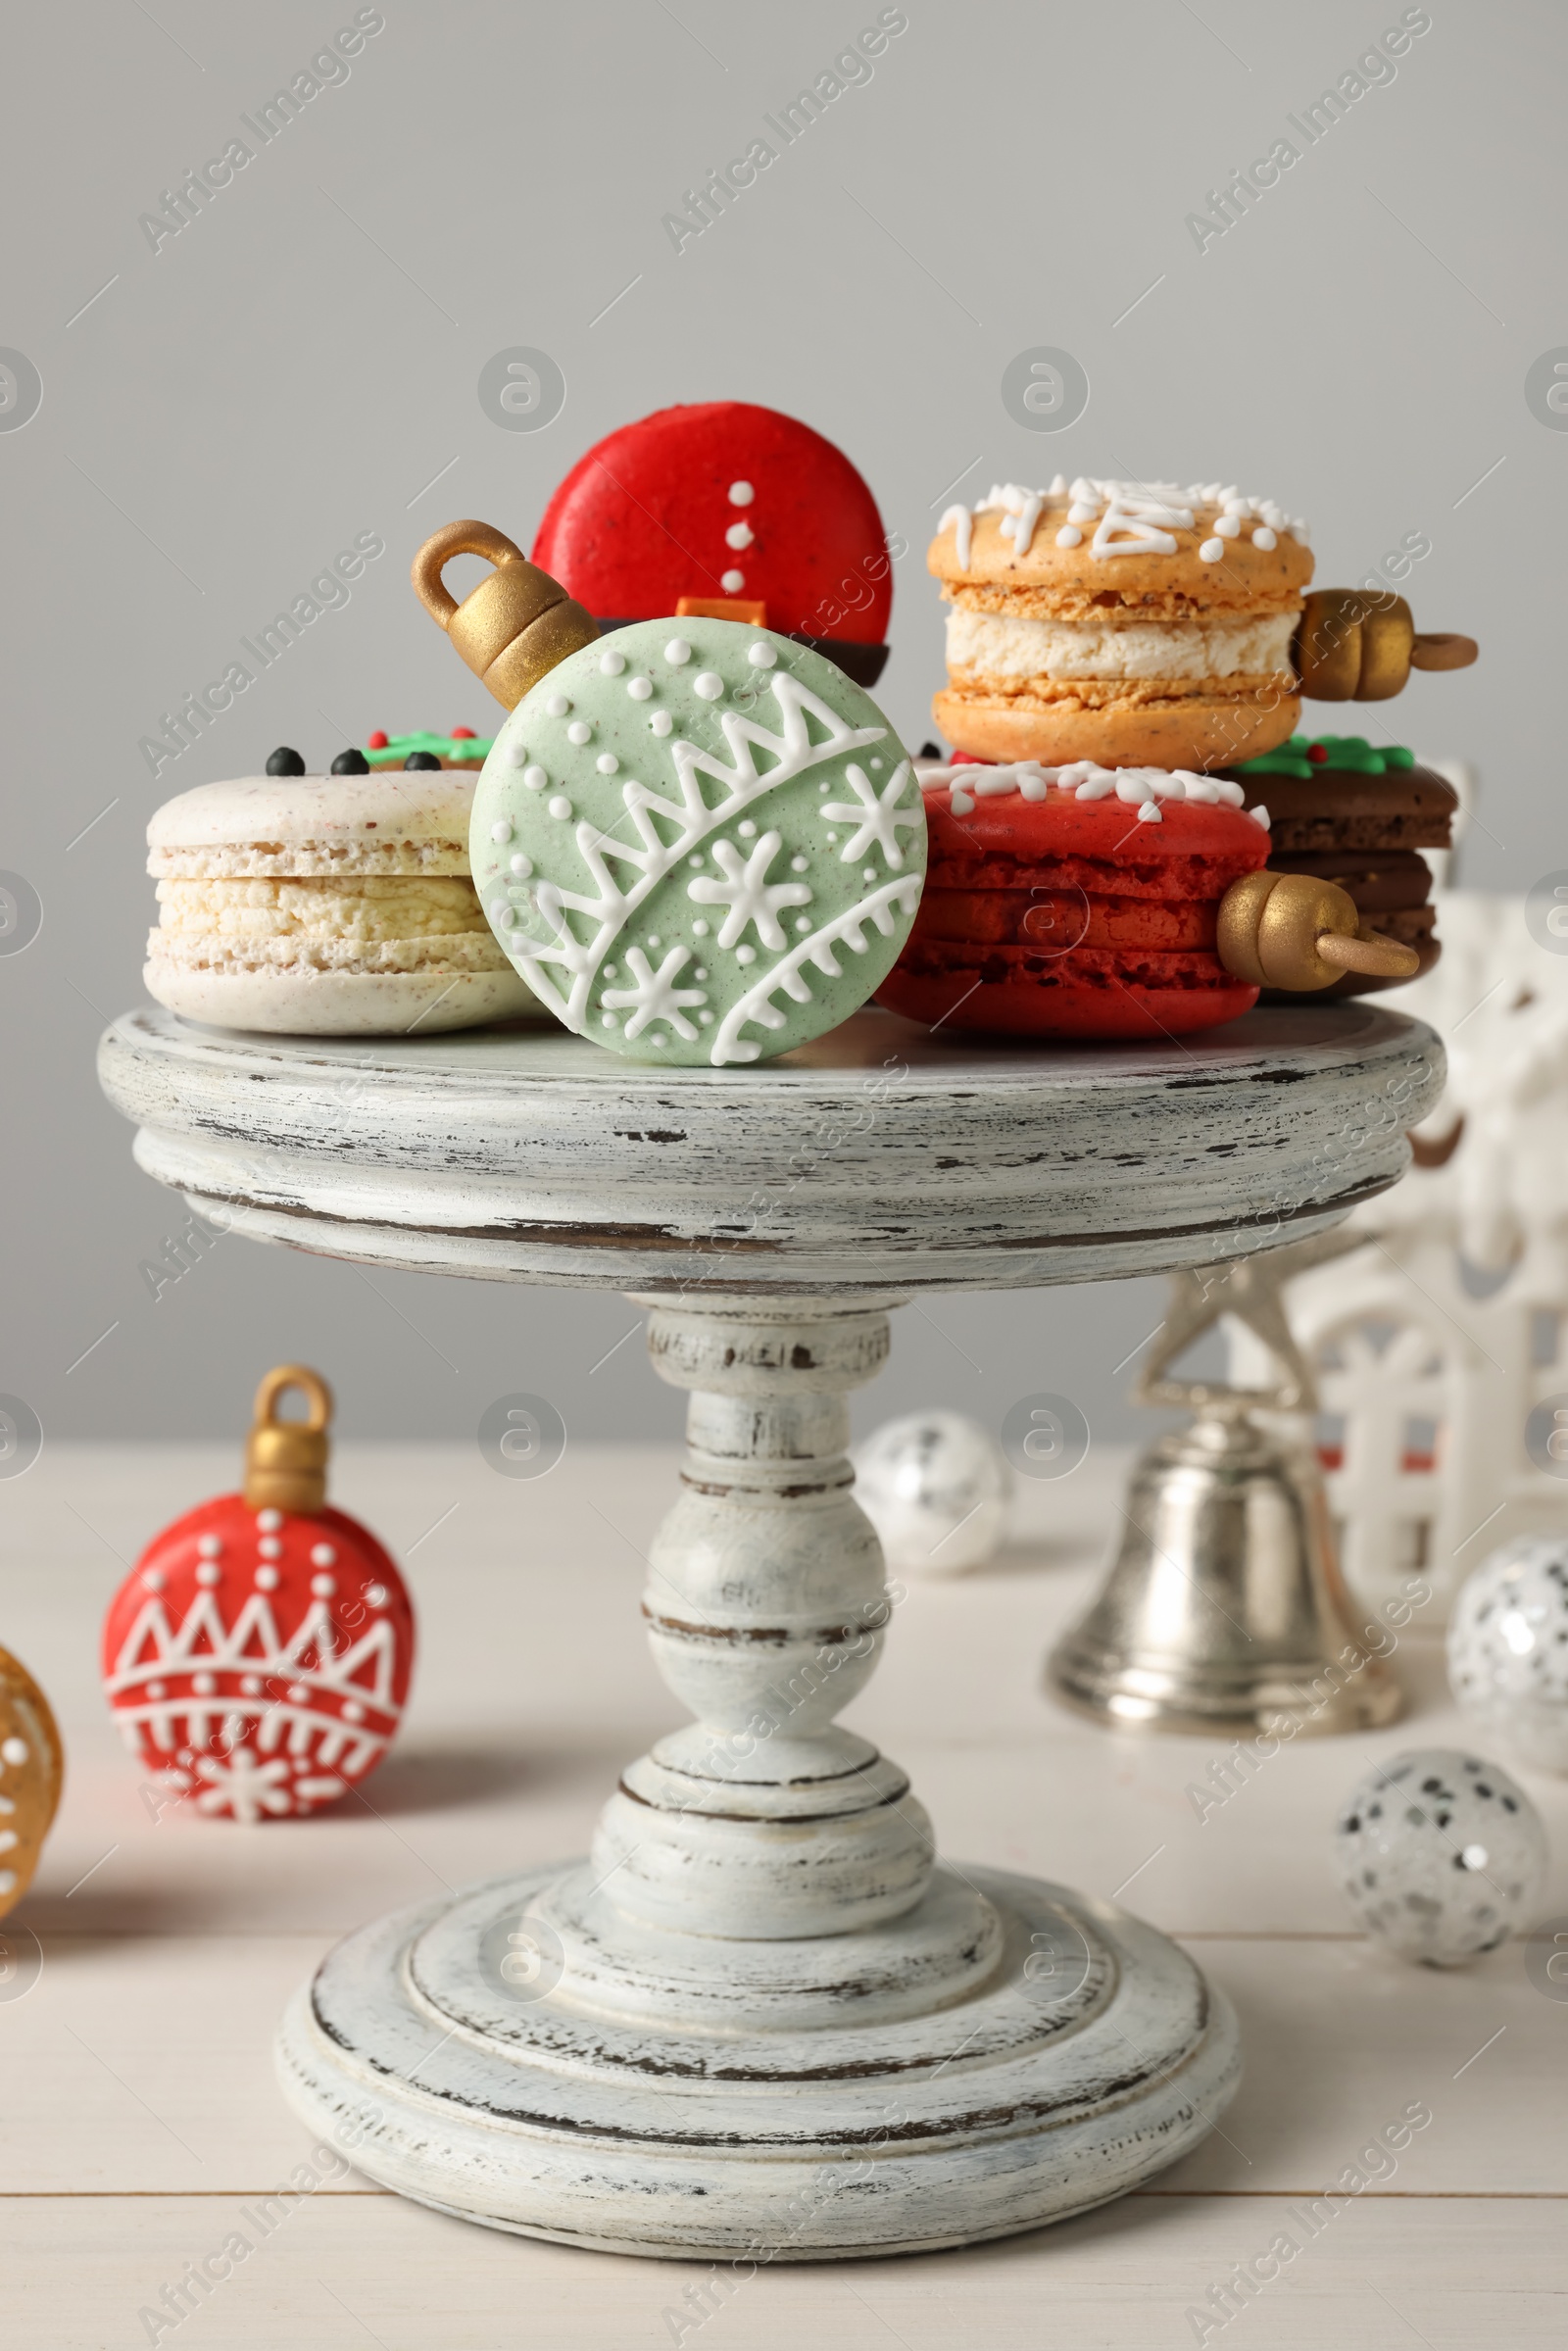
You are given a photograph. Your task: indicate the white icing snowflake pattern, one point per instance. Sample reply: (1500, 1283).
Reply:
(244, 1787)
(874, 818)
(748, 894)
(654, 995)
(711, 792)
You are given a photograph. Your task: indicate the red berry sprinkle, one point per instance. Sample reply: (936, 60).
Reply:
(1318, 754)
(463, 734)
(377, 741)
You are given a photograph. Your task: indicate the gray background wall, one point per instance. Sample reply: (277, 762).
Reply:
(300, 363)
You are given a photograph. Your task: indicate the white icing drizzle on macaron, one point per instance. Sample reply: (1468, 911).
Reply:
(1130, 518)
(1018, 524)
(962, 520)
(1085, 779)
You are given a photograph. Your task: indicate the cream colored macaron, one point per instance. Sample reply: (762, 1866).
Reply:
(327, 905)
(1130, 623)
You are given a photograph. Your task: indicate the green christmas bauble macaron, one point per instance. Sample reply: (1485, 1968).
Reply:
(699, 842)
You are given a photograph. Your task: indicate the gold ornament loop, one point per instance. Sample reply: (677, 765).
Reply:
(455, 539)
(285, 1460)
(1442, 649)
(1371, 953)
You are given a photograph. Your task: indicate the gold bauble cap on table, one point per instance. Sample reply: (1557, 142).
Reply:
(285, 1460)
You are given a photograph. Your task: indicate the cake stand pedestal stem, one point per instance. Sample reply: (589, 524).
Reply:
(767, 1610)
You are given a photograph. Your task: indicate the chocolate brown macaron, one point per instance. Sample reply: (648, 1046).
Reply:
(1345, 811)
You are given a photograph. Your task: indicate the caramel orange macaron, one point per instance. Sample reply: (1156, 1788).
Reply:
(1122, 623)
(1076, 901)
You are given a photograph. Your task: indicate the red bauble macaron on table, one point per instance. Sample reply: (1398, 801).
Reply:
(257, 1658)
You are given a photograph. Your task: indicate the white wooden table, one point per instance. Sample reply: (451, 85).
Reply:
(140, 2122)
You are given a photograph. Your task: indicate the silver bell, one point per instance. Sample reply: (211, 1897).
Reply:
(1225, 1611)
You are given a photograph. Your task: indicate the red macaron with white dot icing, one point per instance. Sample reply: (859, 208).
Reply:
(731, 510)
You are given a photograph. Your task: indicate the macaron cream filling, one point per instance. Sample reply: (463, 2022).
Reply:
(375, 908)
(1005, 653)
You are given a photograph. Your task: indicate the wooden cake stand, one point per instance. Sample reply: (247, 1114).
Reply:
(760, 2020)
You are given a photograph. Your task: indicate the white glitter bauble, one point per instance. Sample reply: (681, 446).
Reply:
(936, 1485)
(1441, 1854)
(1508, 1649)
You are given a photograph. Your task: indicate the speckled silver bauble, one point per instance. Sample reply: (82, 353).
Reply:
(1508, 1649)
(1441, 1854)
(936, 1485)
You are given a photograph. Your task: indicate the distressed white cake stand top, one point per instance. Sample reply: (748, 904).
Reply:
(760, 2019)
(882, 1159)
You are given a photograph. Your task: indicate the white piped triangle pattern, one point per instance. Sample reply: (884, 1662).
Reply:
(341, 1711)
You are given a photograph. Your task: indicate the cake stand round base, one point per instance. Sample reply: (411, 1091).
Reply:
(1002, 2055)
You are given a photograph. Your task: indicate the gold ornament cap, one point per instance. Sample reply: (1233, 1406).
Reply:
(1360, 644)
(1288, 930)
(285, 1460)
(517, 624)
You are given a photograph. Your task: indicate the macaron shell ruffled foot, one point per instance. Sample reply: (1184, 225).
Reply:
(327, 905)
(701, 842)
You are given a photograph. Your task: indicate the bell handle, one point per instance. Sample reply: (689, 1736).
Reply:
(456, 538)
(310, 1384)
(1442, 648)
(1370, 952)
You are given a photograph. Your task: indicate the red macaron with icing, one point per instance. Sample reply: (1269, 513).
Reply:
(729, 510)
(1076, 901)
